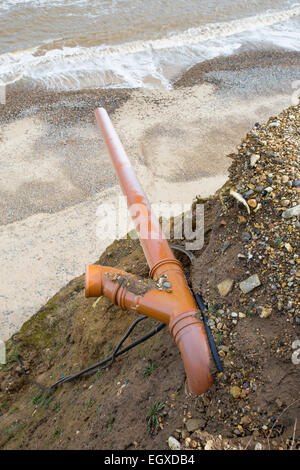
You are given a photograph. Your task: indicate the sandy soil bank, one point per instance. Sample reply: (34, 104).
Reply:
(55, 171)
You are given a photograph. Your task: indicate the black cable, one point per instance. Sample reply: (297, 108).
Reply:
(105, 363)
(30, 381)
(183, 250)
(133, 325)
(91, 369)
(209, 334)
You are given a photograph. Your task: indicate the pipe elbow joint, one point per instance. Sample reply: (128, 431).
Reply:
(187, 331)
(93, 280)
(190, 337)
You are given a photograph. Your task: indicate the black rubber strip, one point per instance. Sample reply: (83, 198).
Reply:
(209, 334)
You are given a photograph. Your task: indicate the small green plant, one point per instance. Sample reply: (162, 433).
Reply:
(13, 429)
(74, 307)
(109, 423)
(89, 404)
(98, 374)
(58, 433)
(248, 313)
(4, 405)
(278, 242)
(57, 406)
(37, 398)
(149, 369)
(43, 398)
(219, 336)
(13, 410)
(98, 407)
(154, 413)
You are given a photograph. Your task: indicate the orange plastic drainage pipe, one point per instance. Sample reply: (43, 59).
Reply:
(166, 296)
(155, 247)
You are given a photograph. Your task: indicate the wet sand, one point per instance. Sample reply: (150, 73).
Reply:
(55, 171)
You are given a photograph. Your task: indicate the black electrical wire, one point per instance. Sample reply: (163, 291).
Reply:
(133, 325)
(30, 381)
(190, 255)
(209, 334)
(105, 363)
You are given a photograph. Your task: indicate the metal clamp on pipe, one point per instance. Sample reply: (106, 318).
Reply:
(176, 306)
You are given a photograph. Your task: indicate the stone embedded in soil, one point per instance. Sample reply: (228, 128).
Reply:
(209, 445)
(250, 283)
(288, 247)
(292, 212)
(246, 236)
(235, 391)
(254, 159)
(246, 420)
(225, 287)
(264, 312)
(194, 424)
(242, 219)
(173, 443)
(252, 203)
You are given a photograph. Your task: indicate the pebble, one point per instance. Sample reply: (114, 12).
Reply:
(252, 203)
(248, 194)
(194, 424)
(250, 283)
(242, 219)
(269, 189)
(246, 420)
(288, 247)
(264, 312)
(254, 159)
(225, 287)
(292, 212)
(246, 236)
(235, 391)
(173, 443)
(225, 246)
(209, 445)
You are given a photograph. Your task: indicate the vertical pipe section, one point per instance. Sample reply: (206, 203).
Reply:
(153, 241)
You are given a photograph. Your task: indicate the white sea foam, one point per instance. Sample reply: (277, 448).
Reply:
(8, 4)
(146, 63)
